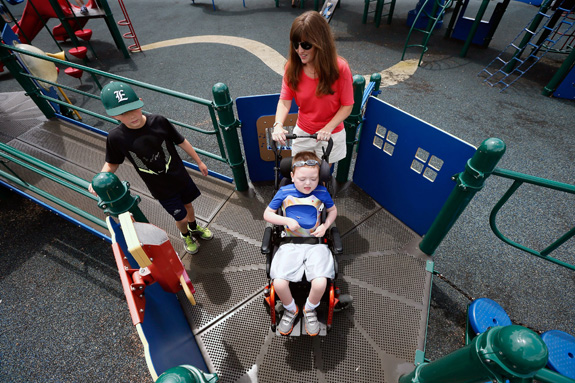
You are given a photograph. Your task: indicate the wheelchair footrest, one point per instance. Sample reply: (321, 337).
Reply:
(299, 326)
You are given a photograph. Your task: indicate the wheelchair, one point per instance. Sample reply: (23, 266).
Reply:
(274, 236)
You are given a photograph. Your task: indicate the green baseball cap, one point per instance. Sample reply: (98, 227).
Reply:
(119, 98)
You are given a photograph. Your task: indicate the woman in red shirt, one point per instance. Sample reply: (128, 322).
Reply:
(322, 85)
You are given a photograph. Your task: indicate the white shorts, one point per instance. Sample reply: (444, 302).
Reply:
(338, 151)
(293, 259)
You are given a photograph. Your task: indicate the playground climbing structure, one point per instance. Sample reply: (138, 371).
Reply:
(555, 35)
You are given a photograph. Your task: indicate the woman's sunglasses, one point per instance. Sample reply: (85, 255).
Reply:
(304, 45)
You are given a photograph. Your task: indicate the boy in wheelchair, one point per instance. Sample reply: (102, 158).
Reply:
(302, 203)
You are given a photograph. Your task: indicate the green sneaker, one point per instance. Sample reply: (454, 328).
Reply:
(202, 232)
(190, 244)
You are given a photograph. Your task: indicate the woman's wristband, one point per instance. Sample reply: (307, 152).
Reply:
(277, 123)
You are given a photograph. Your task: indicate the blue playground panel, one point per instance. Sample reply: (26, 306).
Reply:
(567, 87)
(406, 164)
(485, 313)
(250, 109)
(561, 346)
(463, 26)
(170, 339)
(536, 3)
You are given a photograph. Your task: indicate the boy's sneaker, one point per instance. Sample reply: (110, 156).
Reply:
(190, 244)
(288, 319)
(202, 232)
(311, 323)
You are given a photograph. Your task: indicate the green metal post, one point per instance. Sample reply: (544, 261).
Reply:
(474, 27)
(351, 123)
(376, 78)
(65, 23)
(547, 376)
(115, 197)
(511, 352)
(560, 74)
(469, 182)
(9, 59)
(228, 126)
(187, 374)
(113, 28)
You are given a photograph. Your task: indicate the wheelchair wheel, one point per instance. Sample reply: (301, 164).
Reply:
(345, 300)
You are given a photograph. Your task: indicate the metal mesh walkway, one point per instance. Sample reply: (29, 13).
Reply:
(378, 339)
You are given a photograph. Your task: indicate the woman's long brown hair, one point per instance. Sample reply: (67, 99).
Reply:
(313, 28)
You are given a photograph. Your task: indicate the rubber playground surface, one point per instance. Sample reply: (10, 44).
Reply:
(62, 312)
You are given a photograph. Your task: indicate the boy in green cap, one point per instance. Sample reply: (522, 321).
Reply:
(149, 142)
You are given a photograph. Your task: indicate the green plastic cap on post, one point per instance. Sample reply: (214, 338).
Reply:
(222, 99)
(515, 350)
(108, 186)
(115, 197)
(483, 162)
(186, 374)
(376, 78)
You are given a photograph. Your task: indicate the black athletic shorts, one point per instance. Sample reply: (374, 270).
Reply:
(175, 205)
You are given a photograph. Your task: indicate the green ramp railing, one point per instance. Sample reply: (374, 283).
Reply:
(224, 130)
(520, 179)
(469, 182)
(50, 172)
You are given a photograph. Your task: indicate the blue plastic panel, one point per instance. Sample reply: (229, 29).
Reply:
(167, 331)
(561, 346)
(485, 313)
(567, 87)
(406, 164)
(250, 109)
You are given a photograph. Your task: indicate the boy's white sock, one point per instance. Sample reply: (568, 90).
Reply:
(291, 307)
(309, 306)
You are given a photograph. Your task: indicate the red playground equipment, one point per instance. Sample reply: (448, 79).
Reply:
(73, 18)
(38, 12)
(157, 259)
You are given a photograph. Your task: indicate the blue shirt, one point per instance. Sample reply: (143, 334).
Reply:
(304, 208)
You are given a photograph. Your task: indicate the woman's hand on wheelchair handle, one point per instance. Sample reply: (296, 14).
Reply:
(324, 134)
(279, 135)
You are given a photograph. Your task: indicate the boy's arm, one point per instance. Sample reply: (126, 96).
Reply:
(188, 148)
(329, 219)
(272, 217)
(107, 168)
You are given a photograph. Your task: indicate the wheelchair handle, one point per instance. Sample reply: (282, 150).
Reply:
(329, 142)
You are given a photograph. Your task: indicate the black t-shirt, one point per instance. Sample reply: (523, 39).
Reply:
(152, 151)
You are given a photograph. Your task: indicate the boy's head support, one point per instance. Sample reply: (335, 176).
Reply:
(119, 98)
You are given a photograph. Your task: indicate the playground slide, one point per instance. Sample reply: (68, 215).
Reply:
(163, 329)
(36, 15)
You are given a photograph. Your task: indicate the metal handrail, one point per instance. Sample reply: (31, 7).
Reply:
(520, 179)
(52, 173)
(197, 100)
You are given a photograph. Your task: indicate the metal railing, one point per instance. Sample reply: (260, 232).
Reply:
(520, 179)
(70, 181)
(481, 166)
(224, 132)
